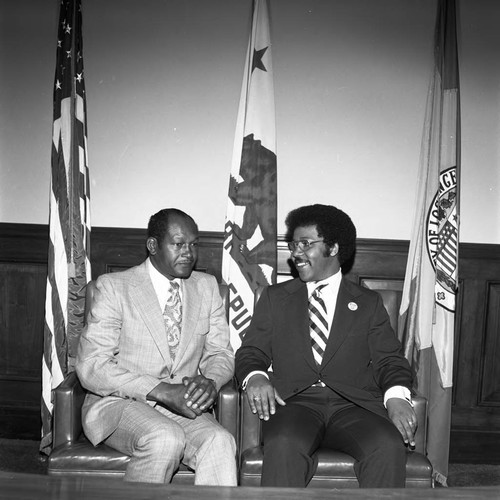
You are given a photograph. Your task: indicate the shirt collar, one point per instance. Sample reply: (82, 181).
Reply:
(161, 283)
(333, 280)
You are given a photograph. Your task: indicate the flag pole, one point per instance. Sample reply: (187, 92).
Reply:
(74, 146)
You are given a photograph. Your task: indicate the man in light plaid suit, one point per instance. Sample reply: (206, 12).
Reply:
(146, 399)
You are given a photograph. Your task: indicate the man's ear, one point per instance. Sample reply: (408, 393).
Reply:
(334, 250)
(152, 245)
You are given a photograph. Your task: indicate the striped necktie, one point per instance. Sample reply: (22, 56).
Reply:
(318, 324)
(172, 315)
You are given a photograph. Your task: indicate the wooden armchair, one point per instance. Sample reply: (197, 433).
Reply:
(74, 455)
(335, 469)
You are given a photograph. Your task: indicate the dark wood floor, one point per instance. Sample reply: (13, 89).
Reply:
(46, 487)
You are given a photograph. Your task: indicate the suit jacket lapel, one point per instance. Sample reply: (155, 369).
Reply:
(298, 319)
(342, 321)
(144, 298)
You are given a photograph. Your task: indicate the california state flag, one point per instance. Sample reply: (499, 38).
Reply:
(249, 254)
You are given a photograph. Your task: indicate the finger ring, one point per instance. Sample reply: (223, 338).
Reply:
(257, 398)
(410, 422)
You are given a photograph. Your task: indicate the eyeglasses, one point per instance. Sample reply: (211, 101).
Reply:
(302, 245)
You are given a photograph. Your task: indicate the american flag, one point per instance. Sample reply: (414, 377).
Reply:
(69, 218)
(250, 242)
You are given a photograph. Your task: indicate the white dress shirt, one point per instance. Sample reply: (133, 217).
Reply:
(161, 284)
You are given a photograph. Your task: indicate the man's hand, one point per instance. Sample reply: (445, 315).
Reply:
(403, 416)
(262, 396)
(200, 393)
(172, 397)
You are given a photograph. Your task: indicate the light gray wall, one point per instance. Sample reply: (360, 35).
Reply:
(163, 81)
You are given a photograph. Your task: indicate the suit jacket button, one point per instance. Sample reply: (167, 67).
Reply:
(172, 375)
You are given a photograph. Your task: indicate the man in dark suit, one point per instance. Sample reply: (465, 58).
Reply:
(338, 378)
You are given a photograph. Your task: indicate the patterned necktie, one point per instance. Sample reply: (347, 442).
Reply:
(172, 315)
(318, 324)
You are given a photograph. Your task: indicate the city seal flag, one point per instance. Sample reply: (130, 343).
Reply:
(250, 234)
(427, 313)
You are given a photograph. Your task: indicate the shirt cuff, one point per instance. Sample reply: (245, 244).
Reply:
(251, 374)
(398, 391)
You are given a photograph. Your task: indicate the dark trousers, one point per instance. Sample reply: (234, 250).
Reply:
(318, 417)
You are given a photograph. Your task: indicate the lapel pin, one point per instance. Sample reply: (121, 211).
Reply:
(352, 306)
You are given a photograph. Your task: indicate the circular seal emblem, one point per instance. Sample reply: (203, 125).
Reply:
(442, 238)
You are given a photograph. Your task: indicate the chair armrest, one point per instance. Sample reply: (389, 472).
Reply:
(250, 426)
(420, 407)
(67, 413)
(227, 408)
(70, 395)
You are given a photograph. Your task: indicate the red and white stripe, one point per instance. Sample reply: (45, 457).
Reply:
(68, 269)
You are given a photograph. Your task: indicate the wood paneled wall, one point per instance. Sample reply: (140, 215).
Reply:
(476, 392)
